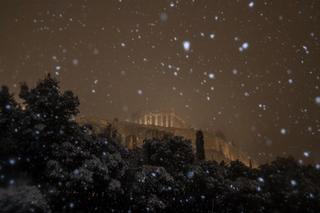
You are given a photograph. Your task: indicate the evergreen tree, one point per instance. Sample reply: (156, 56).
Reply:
(200, 154)
(9, 124)
(47, 120)
(10, 146)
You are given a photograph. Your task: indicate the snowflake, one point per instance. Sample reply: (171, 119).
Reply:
(190, 174)
(8, 107)
(234, 71)
(317, 100)
(244, 46)
(186, 45)
(75, 62)
(306, 154)
(12, 161)
(139, 91)
(283, 131)
(293, 182)
(260, 179)
(211, 76)
(71, 205)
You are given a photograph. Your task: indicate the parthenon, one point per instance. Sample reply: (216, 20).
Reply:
(163, 119)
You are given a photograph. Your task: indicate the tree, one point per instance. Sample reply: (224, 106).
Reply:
(243, 195)
(87, 173)
(81, 171)
(238, 169)
(23, 199)
(173, 153)
(47, 120)
(47, 100)
(9, 124)
(201, 182)
(10, 146)
(293, 186)
(200, 154)
(153, 189)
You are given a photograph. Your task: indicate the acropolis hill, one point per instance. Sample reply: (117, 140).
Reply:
(149, 125)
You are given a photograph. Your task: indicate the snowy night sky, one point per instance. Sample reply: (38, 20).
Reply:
(248, 68)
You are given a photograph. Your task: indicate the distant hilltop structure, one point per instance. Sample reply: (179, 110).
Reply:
(162, 119)
(157, 124)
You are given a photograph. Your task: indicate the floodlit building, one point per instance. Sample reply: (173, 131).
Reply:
(161, 119)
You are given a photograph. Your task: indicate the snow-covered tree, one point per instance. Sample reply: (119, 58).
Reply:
(172, 153)
(23, 199)
(153, 189)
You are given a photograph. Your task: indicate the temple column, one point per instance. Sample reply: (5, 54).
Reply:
(156, 120)
(149, 119)
(161, 120)
(145, 120)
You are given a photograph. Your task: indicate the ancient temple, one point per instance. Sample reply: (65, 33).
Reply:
(161, 119)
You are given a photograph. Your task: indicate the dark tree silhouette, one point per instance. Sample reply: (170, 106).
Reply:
(47, 120)
(23, 199)
(200, 154)
(152, 189)
(9, 123)
(172, 152)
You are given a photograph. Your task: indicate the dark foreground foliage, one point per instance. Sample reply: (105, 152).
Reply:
(49, 163)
